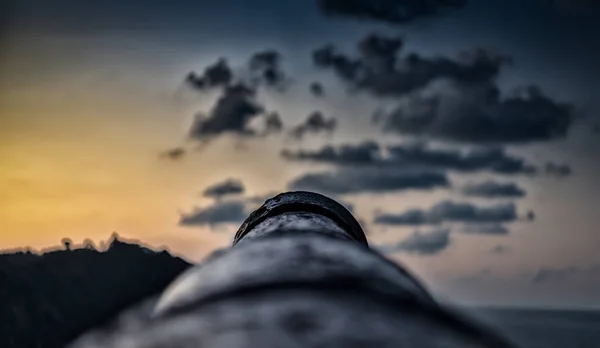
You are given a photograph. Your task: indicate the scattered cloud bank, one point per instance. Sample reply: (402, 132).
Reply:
(501, 249)
(369, 181)
(233, 113)
(549, 274)
(218, 213)
(449, 111)
(447, 98)
(174, 154)
(493, 189)
(416, 155)
(226, 188)
(388, 11)
(315, 123)
(449, 211)
(421, 243)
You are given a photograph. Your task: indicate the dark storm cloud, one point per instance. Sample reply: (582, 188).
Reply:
(500, 249)
(273, 123)
(421, 243)
(495, 159)
(237, 107)
(174, 154)
(453, 99)
(231, 114)
(345, 67)
(225, 188)
(365, 153)
(558, 170)
(476, 277)
(226, 212)
(266, 68)
(315, 123)
(486, 229)
(493, 189)
(449, 211)
(546, 274)
(388, 11)
(380, 51)
(380, 70)
(368, 181)
(216, 75)
(477, 114)
(317, 89)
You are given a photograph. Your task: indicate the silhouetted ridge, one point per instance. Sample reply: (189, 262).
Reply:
(50, 299)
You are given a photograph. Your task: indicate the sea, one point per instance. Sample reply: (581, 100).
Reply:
(532, 328)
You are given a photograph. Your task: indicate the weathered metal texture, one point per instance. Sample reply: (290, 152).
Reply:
(300, 274)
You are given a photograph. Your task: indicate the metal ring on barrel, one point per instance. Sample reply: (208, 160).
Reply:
(301, 201)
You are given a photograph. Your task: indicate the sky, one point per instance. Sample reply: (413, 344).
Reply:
(462, 134)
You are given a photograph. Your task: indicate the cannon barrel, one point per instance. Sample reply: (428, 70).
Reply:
(300, 273)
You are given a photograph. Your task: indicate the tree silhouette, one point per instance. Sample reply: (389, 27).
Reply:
(89, 244)
(67, 243)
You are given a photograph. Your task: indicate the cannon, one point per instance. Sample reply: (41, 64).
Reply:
(300, 273)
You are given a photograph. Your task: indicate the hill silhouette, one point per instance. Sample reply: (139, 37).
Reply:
(47, 300)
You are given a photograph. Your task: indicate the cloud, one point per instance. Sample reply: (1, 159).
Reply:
(317, 89)
(225, 188)
(449, 211)
(366, 153)
(265, 67)
(477, 114)
(494, 159)
(315, 123)
(174, 154)
(369, 181)
(487, 229)
(216, 75)
(232, 114)
(546, 274)
(558, 170)
(221, 212)
(237, 107)
(273, 123)
(427, 243)
(452, 99)
(493, 189)
(501, 249)
(476, 277)
(388, 11)
(380, 70)
(345, 67)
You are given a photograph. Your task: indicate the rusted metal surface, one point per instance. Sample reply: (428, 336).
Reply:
(299, 274)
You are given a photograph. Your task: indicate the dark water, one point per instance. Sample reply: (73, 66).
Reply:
(546, 328)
